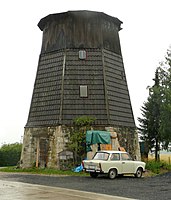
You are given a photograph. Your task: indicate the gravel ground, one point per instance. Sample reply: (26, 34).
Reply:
(158, 187)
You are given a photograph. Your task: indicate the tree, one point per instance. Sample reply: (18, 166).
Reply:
(10, 154)
(155, 124)
(77, 138)
(150, 121)
(165, 77)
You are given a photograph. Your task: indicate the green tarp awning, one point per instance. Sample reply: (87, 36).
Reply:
(97, 137)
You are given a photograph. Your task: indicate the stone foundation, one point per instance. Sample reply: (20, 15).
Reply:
(42, 146)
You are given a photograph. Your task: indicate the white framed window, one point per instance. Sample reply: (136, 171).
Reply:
(83, 91)
(82, 54)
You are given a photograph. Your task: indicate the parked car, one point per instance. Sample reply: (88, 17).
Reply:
(113, 163)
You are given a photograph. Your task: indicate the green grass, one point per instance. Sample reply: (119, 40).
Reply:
(158, 167)
(151, 166)
(44, 171)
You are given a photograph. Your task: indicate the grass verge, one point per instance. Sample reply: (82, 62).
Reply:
(152, 168)
(44, 171)
(157, 167)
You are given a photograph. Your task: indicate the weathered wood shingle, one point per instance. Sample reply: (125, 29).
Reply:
(119, 104)
(45, 105)
(87, 72)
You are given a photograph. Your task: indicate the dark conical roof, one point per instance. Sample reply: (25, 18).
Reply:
(83, 14)
(80, 29)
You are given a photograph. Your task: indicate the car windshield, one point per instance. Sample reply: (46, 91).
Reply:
(101, 156)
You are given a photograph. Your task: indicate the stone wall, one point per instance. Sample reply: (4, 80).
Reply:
(42, 146)
(128, 139)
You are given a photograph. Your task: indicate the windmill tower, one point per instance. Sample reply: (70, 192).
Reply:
(80, 73)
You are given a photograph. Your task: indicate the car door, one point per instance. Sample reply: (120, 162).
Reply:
(127, 163)
(115, 162)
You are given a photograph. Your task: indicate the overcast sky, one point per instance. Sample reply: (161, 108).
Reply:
(145, 38)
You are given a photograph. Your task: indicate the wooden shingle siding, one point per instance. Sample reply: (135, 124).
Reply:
(117, 111)
(45, 103)
(119, 104)
(87, 72)
(46, 100)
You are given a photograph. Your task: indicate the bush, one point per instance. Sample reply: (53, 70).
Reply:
(10, 154)
(157, 167)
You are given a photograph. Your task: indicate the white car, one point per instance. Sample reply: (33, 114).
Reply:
(113, 163)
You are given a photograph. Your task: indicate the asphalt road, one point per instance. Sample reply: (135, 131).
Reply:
(158, 187)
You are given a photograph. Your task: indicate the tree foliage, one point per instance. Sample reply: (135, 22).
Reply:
(150, 123)
(165, 79)
(10, 154)
(77, 137)
(155, 123)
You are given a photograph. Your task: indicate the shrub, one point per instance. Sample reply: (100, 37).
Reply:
(10, 154)
(157, 167)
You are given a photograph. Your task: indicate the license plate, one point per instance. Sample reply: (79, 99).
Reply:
(91, 167)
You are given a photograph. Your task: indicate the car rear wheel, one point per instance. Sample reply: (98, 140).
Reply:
(93, 174)
(112, 173)
(138, 173)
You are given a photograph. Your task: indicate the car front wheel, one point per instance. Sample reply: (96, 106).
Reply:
(112, 173)
(138, 173)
